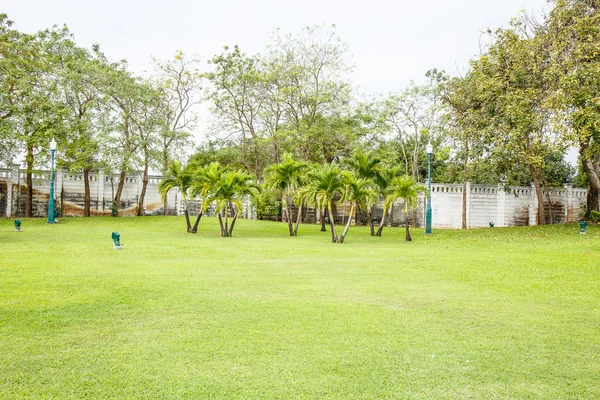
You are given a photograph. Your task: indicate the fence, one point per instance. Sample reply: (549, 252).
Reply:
(484, 204)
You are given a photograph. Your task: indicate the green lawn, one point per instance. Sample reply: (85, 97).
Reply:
(502, 313)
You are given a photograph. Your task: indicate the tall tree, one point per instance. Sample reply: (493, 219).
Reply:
(179, 83)
(237, 103)
(572, 37)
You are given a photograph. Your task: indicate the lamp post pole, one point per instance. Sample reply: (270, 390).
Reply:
(51, 199)
(428, 214)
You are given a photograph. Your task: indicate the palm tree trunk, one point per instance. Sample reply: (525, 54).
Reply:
(323, 228)
(226, 231)
(334, 237)
(407, 223)
(382, 222)
(298, 220)
(195, 227)
(347, 223)
(235, 215)
(221, 224)
(288, 209)
(187, 215)
(370, 220)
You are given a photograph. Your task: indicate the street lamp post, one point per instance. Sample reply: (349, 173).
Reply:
(51, 199)
(429, 149)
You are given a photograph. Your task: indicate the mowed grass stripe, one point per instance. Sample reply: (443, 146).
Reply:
(482, 313)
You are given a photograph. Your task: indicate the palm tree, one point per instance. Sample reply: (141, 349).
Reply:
(287, 177)
(364, 165)
(203, 183)
(228, 192)
(359, 192)
(404, 187)
(323, 185)
(382, 180)
(181, 178)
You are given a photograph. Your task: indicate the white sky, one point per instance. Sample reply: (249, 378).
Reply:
(390, 42)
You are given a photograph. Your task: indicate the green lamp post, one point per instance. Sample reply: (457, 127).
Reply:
(51, 199)
(429, 149)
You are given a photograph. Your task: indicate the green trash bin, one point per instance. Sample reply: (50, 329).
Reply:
(582, 227)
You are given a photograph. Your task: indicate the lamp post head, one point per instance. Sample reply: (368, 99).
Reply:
(429, 148)
(53, 144)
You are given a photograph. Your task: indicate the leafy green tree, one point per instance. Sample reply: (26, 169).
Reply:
(79, 78)
(237, 103)
(571, 36)
(178, 82)
(404, 187)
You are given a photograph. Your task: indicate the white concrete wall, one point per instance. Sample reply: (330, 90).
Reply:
(485, 204)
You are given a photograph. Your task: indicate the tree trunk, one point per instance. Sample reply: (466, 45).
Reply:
(541, 214)
(382, 222)
(187, 215)
(195, 227)
(550, 205)
(235, 215)
(334, 237)
(298, 219)
(347, 223)
(119, 192)
(370, 221)
(86, 196)
(288, 210)
(221, 224)
(592, 171)
(165, 208)
(226, 228)
(141, 211)
(406, 223)
(323, 228)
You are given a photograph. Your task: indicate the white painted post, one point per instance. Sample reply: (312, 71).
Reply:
(468, 188)
(14, 180)
(568, 195)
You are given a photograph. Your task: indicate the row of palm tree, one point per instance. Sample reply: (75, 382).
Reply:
(361, 185)
(213, 183)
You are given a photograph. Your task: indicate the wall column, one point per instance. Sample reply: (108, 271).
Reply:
(501, 212)
(12, 202)
(468, 197)
(569, 196)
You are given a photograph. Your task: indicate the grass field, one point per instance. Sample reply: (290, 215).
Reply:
(502, 313)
